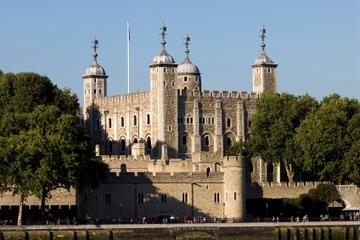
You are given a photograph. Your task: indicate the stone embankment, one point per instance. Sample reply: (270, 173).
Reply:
(249, 231)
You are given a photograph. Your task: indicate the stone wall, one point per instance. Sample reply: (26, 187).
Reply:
(131, 195)
(59, 197)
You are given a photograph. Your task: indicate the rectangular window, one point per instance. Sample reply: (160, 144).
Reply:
(140, 198)
(109, 122)
(216, 197)
(185, 197)
(163, 198)
(108, 199)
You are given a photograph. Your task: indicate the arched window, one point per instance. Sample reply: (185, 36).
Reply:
(228, 141)
(109, 122)
(110, 146)
(122, 145)
(123, 168)
(185, 88)
(185, 79)
(208, 172)
(122, 122)
(228, 122)
(184, 140)
(206, 141)
(148, 145)
(135, 120)
(135, 140)
(148, 119)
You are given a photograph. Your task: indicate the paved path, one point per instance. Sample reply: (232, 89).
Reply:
(190, 225)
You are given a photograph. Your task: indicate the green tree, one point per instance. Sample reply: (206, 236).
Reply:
(329, 136)
(274, 126)
(42, 144)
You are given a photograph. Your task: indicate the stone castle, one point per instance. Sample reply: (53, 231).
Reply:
(166, 146)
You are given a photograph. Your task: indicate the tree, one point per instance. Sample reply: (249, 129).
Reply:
(329, 136)
(42, 144)
(274, 125)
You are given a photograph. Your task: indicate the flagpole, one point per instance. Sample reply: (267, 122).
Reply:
(128, 55)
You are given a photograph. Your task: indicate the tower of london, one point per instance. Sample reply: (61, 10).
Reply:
(166, 146)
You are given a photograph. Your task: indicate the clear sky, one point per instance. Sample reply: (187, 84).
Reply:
(315, 43)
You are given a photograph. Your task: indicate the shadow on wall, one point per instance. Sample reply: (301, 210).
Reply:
(131, 198)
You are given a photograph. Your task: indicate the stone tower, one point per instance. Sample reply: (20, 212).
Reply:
(264, 71)
(234, 187)
(164, 102)
(188, 74)
(94, 82)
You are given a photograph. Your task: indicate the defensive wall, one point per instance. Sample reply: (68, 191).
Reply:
(249, 231)
(349, 193)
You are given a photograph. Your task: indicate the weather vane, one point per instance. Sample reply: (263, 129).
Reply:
(163, 32)
(95, 46)
(187, 43)
(262, 36)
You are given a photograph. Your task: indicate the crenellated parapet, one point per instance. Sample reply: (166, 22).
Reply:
(164, 177)
(219, 94)
(124, 98)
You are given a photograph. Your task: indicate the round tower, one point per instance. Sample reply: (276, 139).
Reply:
(163, 94)
(234, 188)
(264, 70)
(188, 74)
(94, 82)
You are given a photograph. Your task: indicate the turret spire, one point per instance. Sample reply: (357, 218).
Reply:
(187, 43)
(95, 46)
(163, 34)
(262, 36)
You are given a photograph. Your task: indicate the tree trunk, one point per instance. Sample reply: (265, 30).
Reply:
(42, 206)
(21, 204)
(289, 171)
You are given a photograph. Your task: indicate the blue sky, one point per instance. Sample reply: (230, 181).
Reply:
(315, 43)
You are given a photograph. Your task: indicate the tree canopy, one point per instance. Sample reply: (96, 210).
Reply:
(329, 140)
(322, 139)
(274, 126)
(42, 144)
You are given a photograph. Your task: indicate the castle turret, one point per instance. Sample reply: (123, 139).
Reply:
(94, 82)
(188, 74)
(234, 188)
(164, 100)
(264, 71)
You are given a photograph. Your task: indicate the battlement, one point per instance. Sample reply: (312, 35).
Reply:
(124, 158)
(130, 97)
(291, 184)
(233, 161)
(164, 177)
(219, 94)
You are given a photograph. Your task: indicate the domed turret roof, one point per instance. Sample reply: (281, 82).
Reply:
(187, 66)
(263, 58)
(163, 58)
(95, 68)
